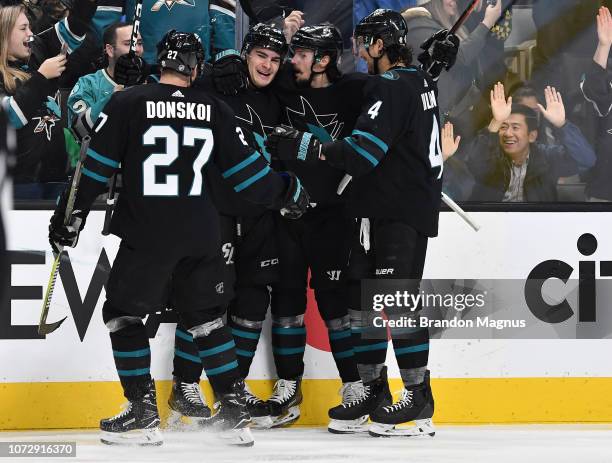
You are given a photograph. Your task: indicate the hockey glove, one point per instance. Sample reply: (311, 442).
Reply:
(296, 199)
(230, 74)
(130, 70)
(61, 234)
(444, 48)
(289, 144)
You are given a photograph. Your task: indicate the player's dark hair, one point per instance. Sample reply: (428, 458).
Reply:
(110, 33)
(397, 53)
(531, 116)
(524, 91)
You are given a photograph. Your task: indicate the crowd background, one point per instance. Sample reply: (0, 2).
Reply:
(549, 143)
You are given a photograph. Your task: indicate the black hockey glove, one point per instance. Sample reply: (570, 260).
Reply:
(289, 144)
(230, 74)
(296, 199)
(130, 70)
(444, 48)
(61, 234)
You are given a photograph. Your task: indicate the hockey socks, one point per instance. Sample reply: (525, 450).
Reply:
(217, 351)
(131, 351)
(288, 345)
(187, 363)
(246, 335)
(412, 354)
(341, 343)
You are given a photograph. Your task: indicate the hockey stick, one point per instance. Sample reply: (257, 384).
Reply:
(464, 215)
(110, 200)
(44, 327)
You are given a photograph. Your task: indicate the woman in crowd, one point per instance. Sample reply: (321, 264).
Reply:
(29, 70)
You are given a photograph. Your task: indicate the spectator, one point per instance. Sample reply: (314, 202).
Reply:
(596, 86)
(29, 68)
(457, 89)
(528, 96)
(509, 165)
(213, 21)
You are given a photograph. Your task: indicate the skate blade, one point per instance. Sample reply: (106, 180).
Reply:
(421, 428)
(140, 437)
(241, 437)
(348, 426)
(261, 422)
(288, 418)
(179, 422)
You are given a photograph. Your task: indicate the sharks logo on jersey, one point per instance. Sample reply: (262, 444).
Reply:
(170, 3)
(326, 127)
(258, 130)
(47, 122)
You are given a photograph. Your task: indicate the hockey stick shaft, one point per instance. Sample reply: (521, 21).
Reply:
(464, 215)
(43, 326)
(136, 26)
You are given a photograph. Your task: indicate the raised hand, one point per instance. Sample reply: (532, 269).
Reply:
(450, 144)
(604, 27)
(500, 107)
(292, 23)
(555, 110)
(53, 67)
(492, 14)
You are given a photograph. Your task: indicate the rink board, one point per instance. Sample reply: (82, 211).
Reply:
(69, 380)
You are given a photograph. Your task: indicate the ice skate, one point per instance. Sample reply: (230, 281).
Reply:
(416, 404)
(352, 415)
(231, 420)
(285, 402)
(187, 405)
(137, 424)
(258, 409)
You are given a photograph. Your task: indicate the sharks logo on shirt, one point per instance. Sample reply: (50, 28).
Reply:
(258, 130)
(47, 121)
(326, 127)
(169, 4)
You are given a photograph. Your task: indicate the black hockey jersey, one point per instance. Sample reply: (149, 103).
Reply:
(329, 114)
(257, 113)
(394, 152)
(164, 136)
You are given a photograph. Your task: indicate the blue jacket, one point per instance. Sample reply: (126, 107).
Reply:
(491, 167)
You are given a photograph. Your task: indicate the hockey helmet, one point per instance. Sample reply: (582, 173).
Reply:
(180, 51)
(384, 24)
(265, 36)
(323, 39)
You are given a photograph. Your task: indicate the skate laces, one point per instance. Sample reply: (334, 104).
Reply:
(365, 394)
(405, 401)
(283, 390)
(126, 409)
(193, 393)
(352, 392)
(251, 398)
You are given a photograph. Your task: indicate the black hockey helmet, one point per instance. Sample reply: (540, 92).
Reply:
(180, 51)
(323, 39)
(387, 25)
(265, 36)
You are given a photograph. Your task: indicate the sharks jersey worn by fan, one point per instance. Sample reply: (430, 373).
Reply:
(329, 114)
(394, 151)
(163, 136)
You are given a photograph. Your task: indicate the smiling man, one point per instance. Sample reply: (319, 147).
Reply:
(510, 166)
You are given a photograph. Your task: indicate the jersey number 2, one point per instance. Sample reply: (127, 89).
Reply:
(170, 186)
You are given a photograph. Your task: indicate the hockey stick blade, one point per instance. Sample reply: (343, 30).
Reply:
(464, 215)
(44, 327)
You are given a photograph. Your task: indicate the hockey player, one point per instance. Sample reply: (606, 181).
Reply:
(394, 156)
(170, 231)
(247, 231)
(316, 98)
(92, 92)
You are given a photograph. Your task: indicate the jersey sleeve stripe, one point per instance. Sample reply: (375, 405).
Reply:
(297, 190)
(238, 188)
(361, 151)
(93, 175)
(102, 159)
(241, 165)
(16, 116)
(66, 36)
(374, 139)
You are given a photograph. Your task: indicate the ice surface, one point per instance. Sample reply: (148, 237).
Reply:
(456, 444)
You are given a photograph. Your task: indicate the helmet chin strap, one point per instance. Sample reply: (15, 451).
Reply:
(375, 59)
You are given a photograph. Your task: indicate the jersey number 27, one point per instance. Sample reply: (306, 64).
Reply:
(170, 185)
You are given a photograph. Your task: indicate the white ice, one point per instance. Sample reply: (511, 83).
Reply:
(452, 444)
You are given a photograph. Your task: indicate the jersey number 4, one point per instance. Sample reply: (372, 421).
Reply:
(170, 185)
(435, 153)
